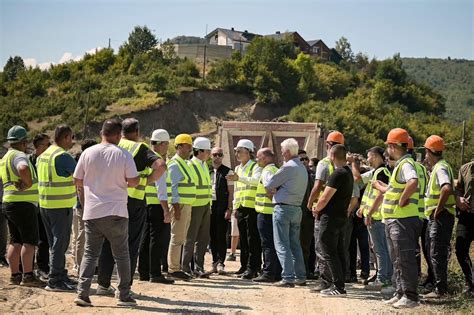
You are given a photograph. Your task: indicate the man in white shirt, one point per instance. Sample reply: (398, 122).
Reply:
(105, 209)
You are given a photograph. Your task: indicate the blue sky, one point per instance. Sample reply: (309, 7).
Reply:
(53, 31)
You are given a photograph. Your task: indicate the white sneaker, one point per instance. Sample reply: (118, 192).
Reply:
(374, 286)
(110, 291)
(405, 302)
(388, 291)
(393, 300)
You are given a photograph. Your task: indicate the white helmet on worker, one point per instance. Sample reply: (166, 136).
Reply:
(160, 135)
(201, 143)
(245, 143)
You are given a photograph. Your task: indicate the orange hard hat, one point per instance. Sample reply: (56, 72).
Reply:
(335, 136)
(434, 143)
(397, 136)
(411, 145)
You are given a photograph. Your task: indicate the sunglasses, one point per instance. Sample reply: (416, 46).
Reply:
(217, 154)
(304, 159)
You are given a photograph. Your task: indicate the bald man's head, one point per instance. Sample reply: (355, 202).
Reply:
(265, 156)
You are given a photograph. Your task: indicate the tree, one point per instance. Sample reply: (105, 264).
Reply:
(13, 67)
(168, 51)
(141, 40)
(343, 47)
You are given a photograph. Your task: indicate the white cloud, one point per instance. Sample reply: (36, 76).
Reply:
(93, 51)
(31, 62)
(66, 57)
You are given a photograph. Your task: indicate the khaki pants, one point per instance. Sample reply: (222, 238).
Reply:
(179, 231)
(78, 237)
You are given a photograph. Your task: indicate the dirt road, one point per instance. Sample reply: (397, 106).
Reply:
(219, 294)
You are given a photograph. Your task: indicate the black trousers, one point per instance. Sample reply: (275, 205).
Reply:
(464, 238)
(136, 224)
(307, 240)
(218, 234)
(271, 265)
(42, 253)
(425, 248)
(250, 248)
(154, 245)
(331, 232)
(360, 236)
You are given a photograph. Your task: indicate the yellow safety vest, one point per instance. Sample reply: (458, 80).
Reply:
(370, 194)
(151, 192)
(54, 191)
(391, 208)
(422, 180)
(10, 193)
(133, 147)
(203, 184)
(244, 195)
(263, 204)
(187, 186)
(434, 191)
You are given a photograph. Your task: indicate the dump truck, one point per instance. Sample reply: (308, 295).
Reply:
(310, 136)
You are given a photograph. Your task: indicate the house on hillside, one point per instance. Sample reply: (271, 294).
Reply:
(236, 39)
(295, 38)
(318, 48)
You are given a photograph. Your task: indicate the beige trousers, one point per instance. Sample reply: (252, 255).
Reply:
(179, 231)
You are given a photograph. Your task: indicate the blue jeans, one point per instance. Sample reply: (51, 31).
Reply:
(384, 263)
(286, 233)
(271, 265)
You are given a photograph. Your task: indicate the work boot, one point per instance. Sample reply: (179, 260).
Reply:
(30, 280)
(16, 279)
(231, 257)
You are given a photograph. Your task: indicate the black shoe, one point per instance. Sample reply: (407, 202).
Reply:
(71, 282)
(162, 280)
(181, 275)
(16, 279)
(249, 275)
(30, 280)
(143, 278)
(320, 287)
(353, 279)
(311, 276)
(129, 301)
(231, 257)
(333, 292)
(60, 287)
(240, 272)
(82, 301)
(4, 262)
(364, 275)
(284, 284)
(264, 279)
(300, 283)
(42, 275)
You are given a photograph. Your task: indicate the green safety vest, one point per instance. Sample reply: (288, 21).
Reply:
(203, 184)
(10, 193)
(187, 186)
(422, 180)
(328, 162)
(151, 192)
(390, 207)
(263, 204)
(133, 147)
(434, 191)
(370, 194)
(244, 195)
(54, 191)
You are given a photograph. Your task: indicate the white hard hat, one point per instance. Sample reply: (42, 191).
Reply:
(160, 135)
(245, 143)
(202, 143)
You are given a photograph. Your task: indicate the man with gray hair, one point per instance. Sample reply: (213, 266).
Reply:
(288, 187)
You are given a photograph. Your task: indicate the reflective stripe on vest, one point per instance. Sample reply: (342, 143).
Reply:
(422, 182)
(203, 184)
(54, 191)
(390, 206)
(186, 187)
(434, 191)
(133, 147)
(370, 194)
(244, 195)
(263, 204)
(10, 192)
(151, 191)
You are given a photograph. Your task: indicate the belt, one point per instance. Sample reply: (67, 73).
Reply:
(284, 204)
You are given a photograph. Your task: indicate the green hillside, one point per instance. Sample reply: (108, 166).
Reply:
(454, 79)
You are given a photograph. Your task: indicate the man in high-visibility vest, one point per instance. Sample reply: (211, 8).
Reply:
(198, 235)
(57, 196)
(422, 183)
(149, 168)
(246, 177)
(181, 186)
(402, 221)
(324, 169)
(440, 208)
(271, 271)
(370, 206)
(20, 197)
(155, 242)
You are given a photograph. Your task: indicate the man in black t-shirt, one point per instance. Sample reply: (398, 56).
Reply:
(332, 208)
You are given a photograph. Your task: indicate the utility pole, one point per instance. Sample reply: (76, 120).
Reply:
(109, 42)
(463, 141)
(204, 61)
(84, 131)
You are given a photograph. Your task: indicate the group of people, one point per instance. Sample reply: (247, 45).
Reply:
(127, 204)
